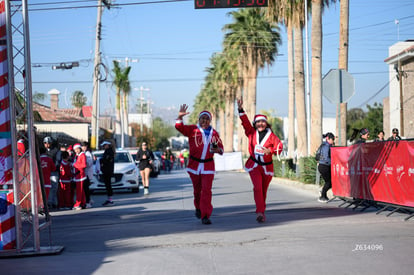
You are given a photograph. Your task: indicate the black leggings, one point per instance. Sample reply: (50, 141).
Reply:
(325, 171)
(86, 184)
(108, 185)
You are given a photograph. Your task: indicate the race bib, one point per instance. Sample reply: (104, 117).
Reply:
(259, 150)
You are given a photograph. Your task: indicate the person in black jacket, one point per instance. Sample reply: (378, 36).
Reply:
(107, 163)
(324, 166)
(145, 158)
(395, 135)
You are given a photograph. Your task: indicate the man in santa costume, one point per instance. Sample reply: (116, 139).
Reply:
(79, 165)
(263, 143)
(48, 166)
(204, 142)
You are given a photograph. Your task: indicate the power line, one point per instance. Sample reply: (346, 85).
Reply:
(95, 6)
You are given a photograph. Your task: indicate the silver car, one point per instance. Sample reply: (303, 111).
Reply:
(126, 173)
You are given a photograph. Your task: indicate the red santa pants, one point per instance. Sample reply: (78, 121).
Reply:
(80, 194)
(261, 183)
(65, 195)
(202, 185)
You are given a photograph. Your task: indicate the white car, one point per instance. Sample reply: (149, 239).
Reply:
(126, 173)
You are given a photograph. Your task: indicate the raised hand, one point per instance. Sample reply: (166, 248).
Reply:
(183, 111)
(240, 103)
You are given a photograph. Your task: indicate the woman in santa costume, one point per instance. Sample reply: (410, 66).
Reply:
(263, 143)
(204, 142)
(79, 165)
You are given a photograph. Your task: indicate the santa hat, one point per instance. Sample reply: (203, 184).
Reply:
(259, 117)
(77, 145)
(204, 113)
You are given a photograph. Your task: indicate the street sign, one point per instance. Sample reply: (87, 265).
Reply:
(338, 86)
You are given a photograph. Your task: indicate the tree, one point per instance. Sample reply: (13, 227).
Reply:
(121, 82)
(256, 39)
(316, 101)
(372, 119)
(39, 97)
(161, 132)
(291, 14)
(78, 99)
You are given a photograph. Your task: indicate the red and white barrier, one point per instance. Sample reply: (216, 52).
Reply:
(7, 221)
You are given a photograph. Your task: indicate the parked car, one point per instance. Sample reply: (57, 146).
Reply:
(156, 163)
(126, 173)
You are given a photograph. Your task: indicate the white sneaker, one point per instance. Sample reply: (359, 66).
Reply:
(88, 205)
(146, 191)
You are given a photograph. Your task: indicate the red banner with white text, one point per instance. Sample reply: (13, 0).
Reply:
(378, 171)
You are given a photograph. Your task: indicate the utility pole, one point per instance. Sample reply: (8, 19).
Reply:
(97, 77)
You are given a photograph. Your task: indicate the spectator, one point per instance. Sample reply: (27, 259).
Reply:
(324, 166)
(106, 167)
(394, 136)
(65, 180)
(21, 146)
(47, 167)
(380, 136)
(185, 155)
(51, 151)
(363, 135)
(204, 142)
(79, 166)
(89, 173)
(169, 159)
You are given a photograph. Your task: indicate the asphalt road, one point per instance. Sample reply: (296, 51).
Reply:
(159, 234)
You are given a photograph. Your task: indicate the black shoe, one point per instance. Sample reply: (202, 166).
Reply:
(323, 199)
(198, 213)
(205, 220)
(260, 218)
(108, 203)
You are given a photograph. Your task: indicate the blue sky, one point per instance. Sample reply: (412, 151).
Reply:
(173, 43)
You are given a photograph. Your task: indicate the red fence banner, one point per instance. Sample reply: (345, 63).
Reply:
(377, 171)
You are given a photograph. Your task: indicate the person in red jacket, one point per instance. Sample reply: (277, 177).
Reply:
(65, 179)
(79, 165)
(204, 142)
(263, 143)
(48, 166)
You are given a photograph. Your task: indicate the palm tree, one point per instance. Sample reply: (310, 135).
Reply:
(78, 99)
(121, 82)
(343, 64)
(257, 39)
(125, 95)
(225, 77)
(316, 43)
(291, 13)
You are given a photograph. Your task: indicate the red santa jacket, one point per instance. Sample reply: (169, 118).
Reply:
(48, 166)
(65, 172)
(201, 159)
(79, 166)
(270, 141)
